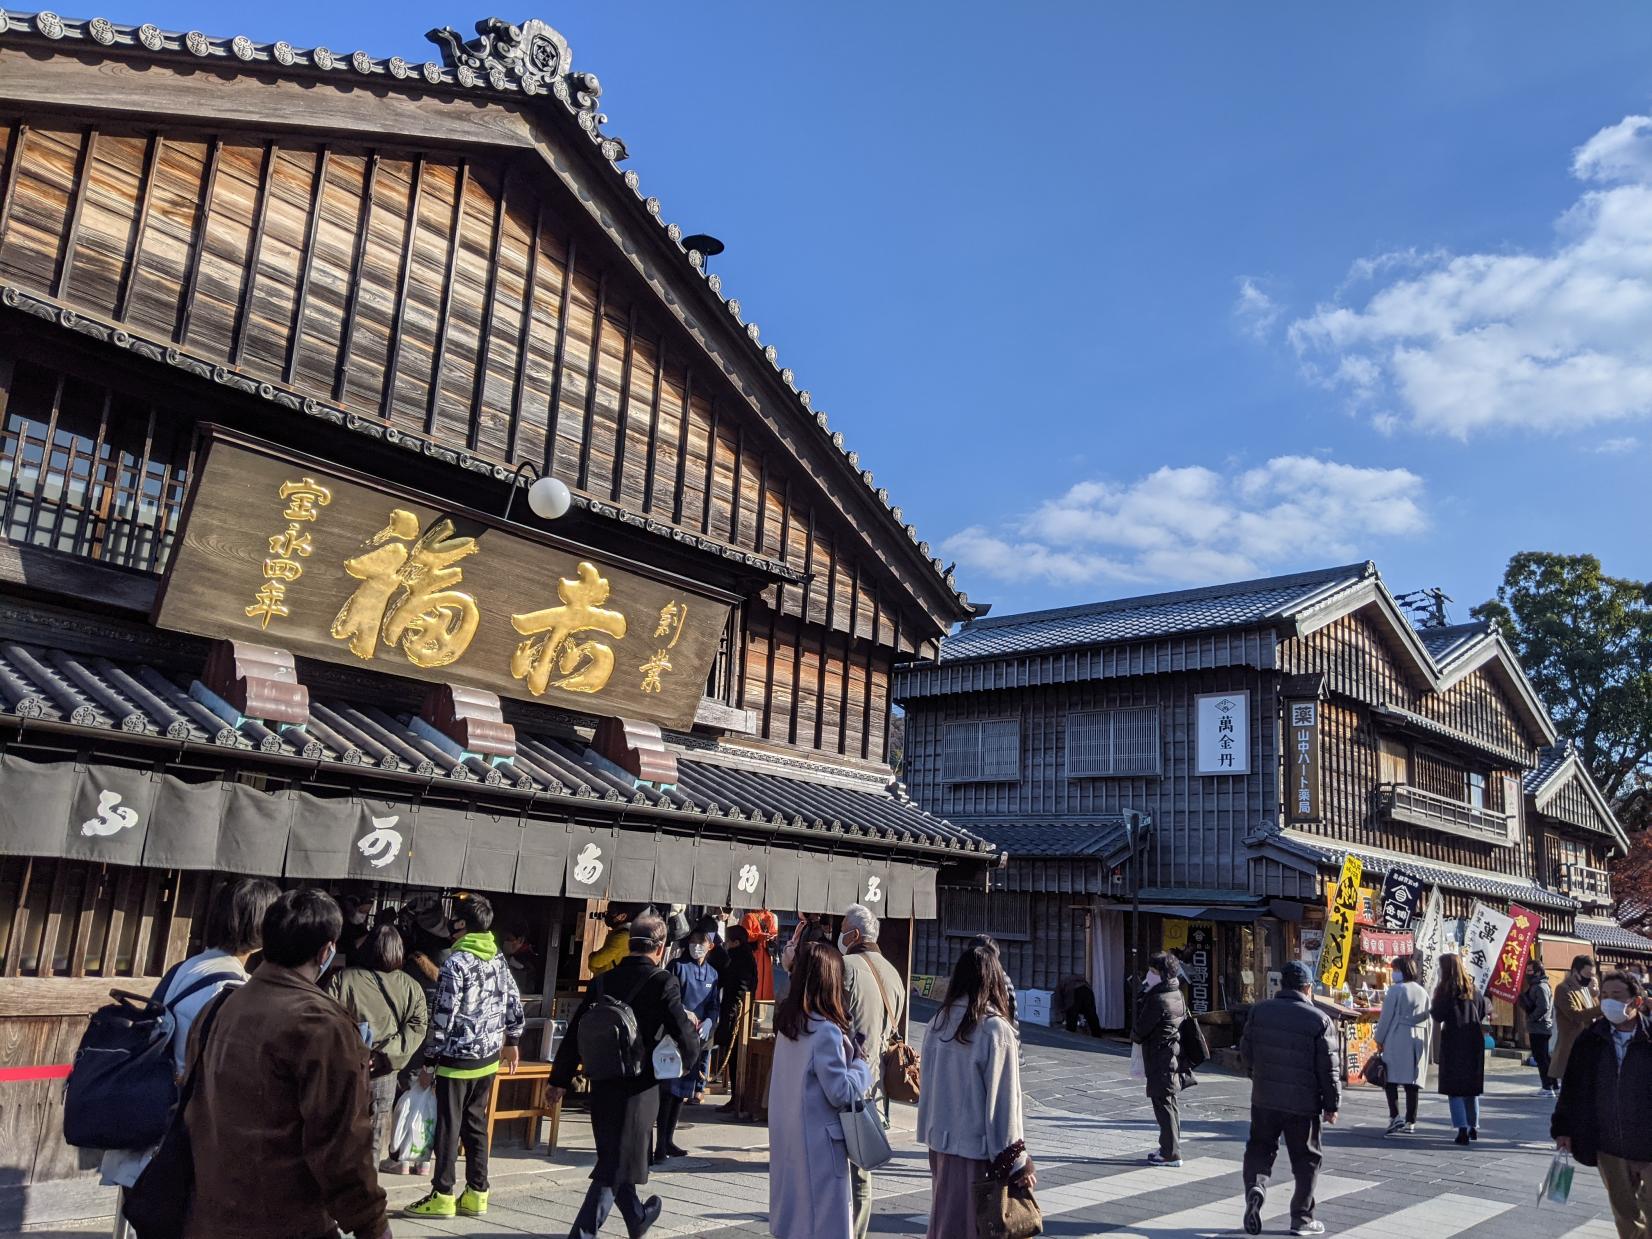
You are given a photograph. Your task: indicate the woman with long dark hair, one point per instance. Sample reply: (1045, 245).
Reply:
(1461, 1013)
(378, 993)
(818, 1070)
(969, 1113)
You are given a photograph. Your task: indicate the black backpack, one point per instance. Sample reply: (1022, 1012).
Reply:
(610, 1044)
(122, 1087)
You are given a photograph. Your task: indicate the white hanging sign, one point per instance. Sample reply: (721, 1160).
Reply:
(1222, 729)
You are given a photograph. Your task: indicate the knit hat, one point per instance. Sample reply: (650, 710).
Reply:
(1296, 975)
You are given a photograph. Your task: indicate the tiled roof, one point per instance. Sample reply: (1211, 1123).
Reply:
(1239, 605)
(134, 698)
(1101, 839)
(1613, 937)
(1495, 886)
(1444, 644)
(1549, 762)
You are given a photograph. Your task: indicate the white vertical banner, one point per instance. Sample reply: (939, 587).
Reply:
(1488, 929)
(1221, 727)
(1430, 940)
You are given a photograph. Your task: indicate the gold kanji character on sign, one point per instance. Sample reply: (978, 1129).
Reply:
(672, 620)
(405, 593)
(271, 602)
(283, 569)
(292, 544)
(582, 666)
(303, 498)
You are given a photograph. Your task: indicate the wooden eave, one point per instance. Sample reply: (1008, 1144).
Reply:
(1493, 651)
(1372, 596)
(144, 73)
(1573, 768)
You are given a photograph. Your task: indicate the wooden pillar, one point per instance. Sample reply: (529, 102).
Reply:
(553, 949)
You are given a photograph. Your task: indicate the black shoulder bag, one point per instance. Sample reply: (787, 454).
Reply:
(157, 1205)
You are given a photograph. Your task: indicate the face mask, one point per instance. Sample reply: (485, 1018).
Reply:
(1153, 978)
(332, 954)
(698, 951)
(843, 943)
(1615, 1010)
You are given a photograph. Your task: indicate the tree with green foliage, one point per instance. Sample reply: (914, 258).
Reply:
(1585, 640)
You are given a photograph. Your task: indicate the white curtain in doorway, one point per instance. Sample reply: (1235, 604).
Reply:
(1107, 966)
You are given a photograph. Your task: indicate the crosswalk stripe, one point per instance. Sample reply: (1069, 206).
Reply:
(1439, 1218)
(1224, 1216)
(1598, 1228)
(1105, 1190)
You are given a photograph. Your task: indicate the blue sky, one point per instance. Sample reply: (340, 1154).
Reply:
(1120, 298)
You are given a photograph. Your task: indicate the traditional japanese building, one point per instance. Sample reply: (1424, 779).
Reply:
(283, 333)
(1200, 763)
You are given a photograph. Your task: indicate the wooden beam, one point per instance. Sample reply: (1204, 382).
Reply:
(554, 411)
(484, 343)
(679, 492)
(734, 488)
(209, 184)
(404, 284)
(593, 376)
(77, 199)
(301, 304)
(352, 295)
(622, 421)
(444, 313)
(524, 345)
(34, 997)
(19, 921)
(654, 423)
(238, 337)
(8, 182)
(146, 185)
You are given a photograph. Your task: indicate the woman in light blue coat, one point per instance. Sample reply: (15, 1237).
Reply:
(818, 1070)
(1402, 1039)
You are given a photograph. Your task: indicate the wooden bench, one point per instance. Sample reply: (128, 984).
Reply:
(533, 1079)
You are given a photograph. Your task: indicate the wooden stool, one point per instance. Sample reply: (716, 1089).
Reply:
(536, 1077)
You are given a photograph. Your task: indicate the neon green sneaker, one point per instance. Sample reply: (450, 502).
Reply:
(473, 1203)
(437, 1204)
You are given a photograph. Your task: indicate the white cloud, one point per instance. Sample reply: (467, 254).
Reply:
(1616, 447)
(1457, 344)
(1188, 524)
(1254, 310)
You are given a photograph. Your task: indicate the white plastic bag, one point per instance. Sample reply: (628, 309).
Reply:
(1556, 1187)
(1138, 1069)
(668, 1060)
(413, 1126)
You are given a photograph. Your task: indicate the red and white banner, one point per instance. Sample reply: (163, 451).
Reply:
(1385, 943)
(1509, 976)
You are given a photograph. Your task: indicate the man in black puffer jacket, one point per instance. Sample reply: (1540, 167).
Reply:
(1290, 1051)
(1604, 1100)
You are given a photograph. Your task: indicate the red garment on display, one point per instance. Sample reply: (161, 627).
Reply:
(762, 928)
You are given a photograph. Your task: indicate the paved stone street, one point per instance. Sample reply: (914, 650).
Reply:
(1089, 1128)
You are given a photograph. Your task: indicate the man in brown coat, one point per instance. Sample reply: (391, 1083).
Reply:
(278, 1121)
(1576, 1006)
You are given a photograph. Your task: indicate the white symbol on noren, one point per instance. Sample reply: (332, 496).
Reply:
(382, 844)
(748, 879)
(588, 865)
(113, 817)
(873, 893)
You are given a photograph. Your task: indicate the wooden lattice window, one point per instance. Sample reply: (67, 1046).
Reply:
(982, 751)
(966, 912)
(1102, 743)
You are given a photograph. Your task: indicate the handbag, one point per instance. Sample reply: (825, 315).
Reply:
(668, 1059)
(157, 1205)
(1004, 1210)
(902, 1074)
(863, 1135)
(1195, 1050)
(1376, 1070)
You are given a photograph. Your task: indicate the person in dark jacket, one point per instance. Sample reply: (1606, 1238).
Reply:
(1537, 1001)
(1460, 1011)
(1605, 1098)
(1158, 1030)
(739, 982)
(624, 1111)
(1289, 1048)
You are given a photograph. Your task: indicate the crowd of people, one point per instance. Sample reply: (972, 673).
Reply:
(297, 1025)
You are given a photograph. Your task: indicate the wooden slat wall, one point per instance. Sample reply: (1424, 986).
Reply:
(1572, 804)
(1200, 823)
(1056, 948)
(446, 296)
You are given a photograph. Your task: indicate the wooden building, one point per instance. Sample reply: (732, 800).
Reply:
(1262, 731)
(283, 333)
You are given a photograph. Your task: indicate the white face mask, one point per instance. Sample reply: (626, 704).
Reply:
(1153, 978)
(698, 951)
(843, 943)
(1615, 1010)
(332, 954)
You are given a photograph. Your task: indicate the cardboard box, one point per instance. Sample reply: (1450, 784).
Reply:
(1032, 1006)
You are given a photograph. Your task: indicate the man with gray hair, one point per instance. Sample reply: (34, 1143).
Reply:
(624, 1108)
(877, 1013)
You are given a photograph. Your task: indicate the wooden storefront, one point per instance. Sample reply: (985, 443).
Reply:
(285, 338)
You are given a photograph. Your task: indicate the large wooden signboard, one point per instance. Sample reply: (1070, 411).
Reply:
(292, 552)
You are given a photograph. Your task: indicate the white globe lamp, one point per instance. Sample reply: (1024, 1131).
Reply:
(548, 498)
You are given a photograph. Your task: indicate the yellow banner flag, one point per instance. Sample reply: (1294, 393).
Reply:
(1339, 925)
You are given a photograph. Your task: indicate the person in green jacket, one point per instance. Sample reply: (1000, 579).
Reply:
(389, 1006)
